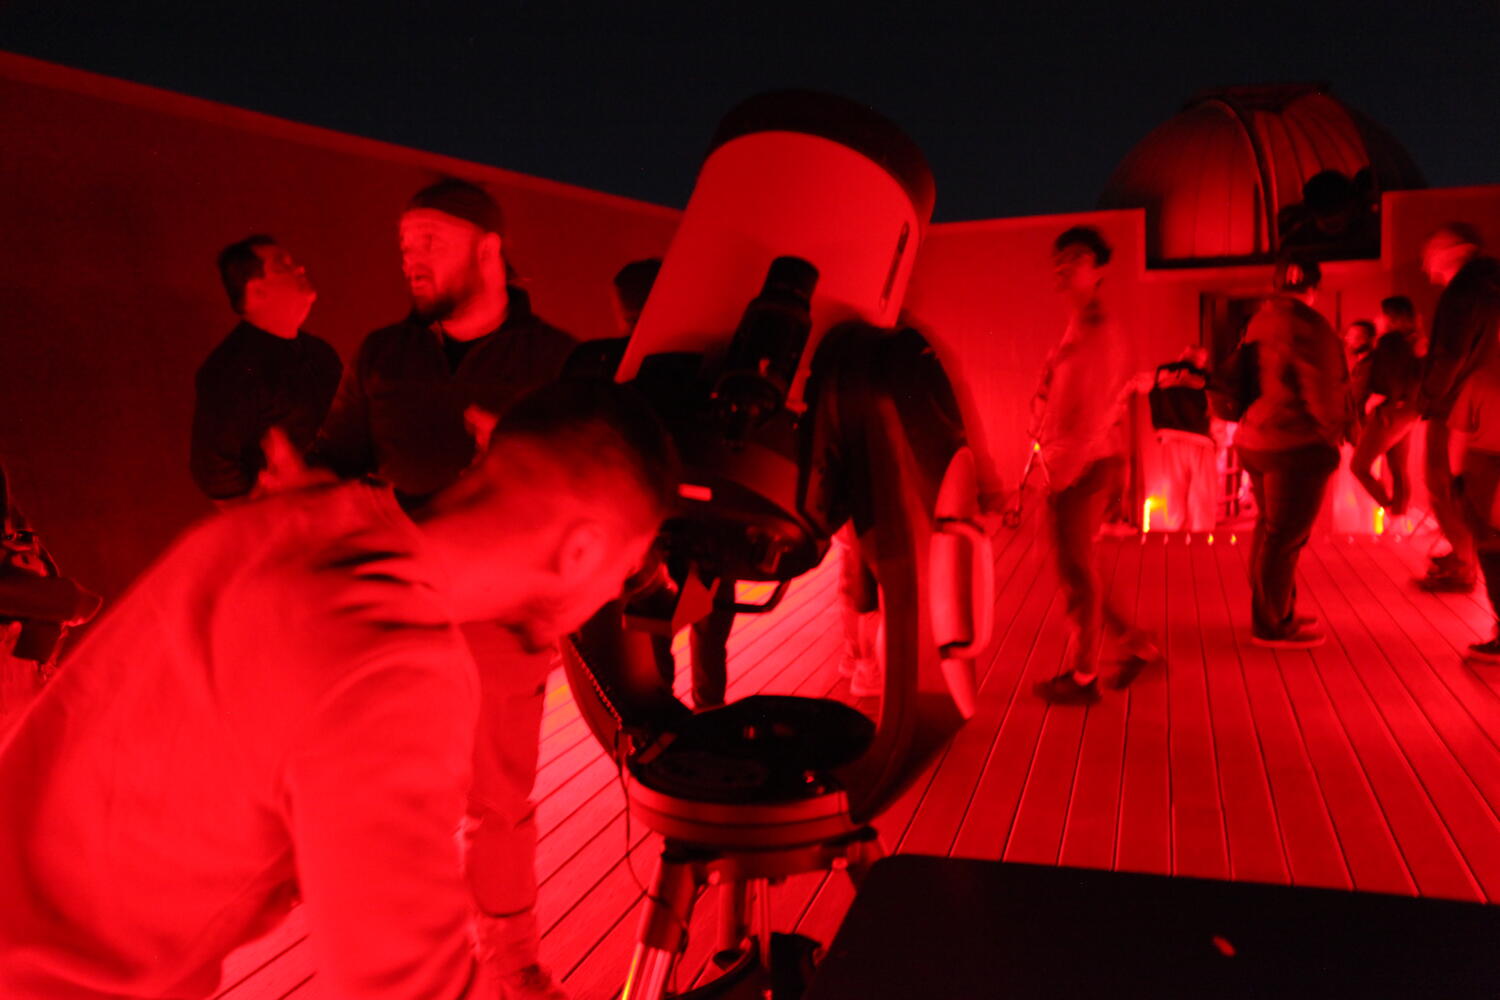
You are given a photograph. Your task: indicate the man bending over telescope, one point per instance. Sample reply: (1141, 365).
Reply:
(283, 707)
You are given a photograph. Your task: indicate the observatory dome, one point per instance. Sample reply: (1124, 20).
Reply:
(1224, 178)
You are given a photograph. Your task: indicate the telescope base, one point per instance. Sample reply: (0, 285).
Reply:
(753, 958)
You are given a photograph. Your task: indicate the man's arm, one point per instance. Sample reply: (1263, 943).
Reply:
(225, 431)
(1322, 372)
(374, 795)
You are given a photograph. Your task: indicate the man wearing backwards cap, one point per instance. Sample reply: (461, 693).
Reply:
(410, 410)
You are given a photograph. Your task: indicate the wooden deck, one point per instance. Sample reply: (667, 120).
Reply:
(1371, 763)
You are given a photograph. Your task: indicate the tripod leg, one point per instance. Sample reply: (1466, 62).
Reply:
(734, 922)
(663, 928)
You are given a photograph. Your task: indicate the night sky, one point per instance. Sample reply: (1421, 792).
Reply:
(1021, 110)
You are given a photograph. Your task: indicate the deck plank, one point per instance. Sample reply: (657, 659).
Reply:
(1313, 854)
(1042, 813)
(1255, 845)
(1093, 811)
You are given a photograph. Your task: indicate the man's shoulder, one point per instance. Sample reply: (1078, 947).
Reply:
(392, 341)
(542, 332)
(320, 348)
(342, 572)
(233, 356)
(1478, 281)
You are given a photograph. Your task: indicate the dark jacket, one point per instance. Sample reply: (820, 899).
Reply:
(1465, 322)
(252, 381)
(1179, 398)
(1304, 384)
(400, 409)
(1390, 369)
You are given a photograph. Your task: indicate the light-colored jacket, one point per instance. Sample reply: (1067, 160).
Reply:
(1083, 384)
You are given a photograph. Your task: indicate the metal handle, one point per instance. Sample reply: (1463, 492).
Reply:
(982, 585)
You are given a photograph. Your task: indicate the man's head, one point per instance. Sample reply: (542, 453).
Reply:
(1397, 314)
(1448, 249)
(1298, 277)
(560, 510)
(632, 286)
(265, 285)
(1079, 256)
(1359, 338)
(452, 247)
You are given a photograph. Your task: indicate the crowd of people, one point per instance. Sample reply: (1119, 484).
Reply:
(332, 691)
(1298, 393)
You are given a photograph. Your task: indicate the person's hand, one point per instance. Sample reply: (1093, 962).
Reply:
(285, 467)
(481, 424)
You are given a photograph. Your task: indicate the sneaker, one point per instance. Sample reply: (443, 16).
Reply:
(1064, 690)
(530, 983)
(1138, 644)
(1300, 637)
(1138, 652)
(1448, 582)
(1485, 652)
(866, 679)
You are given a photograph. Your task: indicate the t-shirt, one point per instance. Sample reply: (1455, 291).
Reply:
(1083, 387)
(280, 708)
(1179, 398)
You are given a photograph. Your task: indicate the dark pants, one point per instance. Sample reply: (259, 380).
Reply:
(1477, 487)
(1386, 433)
(1446, 509)
(1076, 511)
(1288, 487)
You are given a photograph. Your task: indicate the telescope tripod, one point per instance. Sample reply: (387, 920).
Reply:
(755, 961)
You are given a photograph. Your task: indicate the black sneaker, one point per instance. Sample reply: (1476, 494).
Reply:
(1485, 652)
(1299, 637)
(1449, 581)
(1140, 652)
(1064, 690)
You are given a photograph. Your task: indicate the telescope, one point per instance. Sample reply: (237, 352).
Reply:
(773, 347)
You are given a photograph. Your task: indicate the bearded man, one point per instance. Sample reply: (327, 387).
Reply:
(414, 409)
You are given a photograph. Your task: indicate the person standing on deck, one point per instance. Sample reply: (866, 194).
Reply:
(266, 373)
(1461, 382)
(1083, 447)
(415, 408)
(1462, 327)
(1179, 412)
(1288, 441)
(1389, 372)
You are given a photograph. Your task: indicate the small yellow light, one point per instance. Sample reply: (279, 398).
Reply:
(1210, 538)
(1233, 539)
